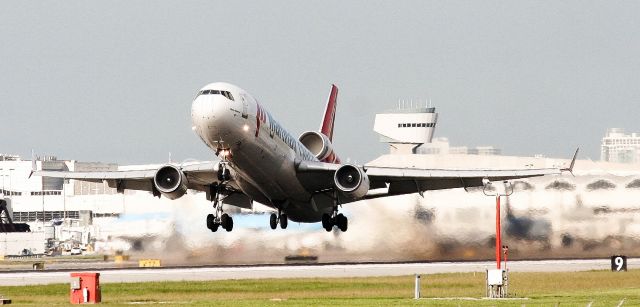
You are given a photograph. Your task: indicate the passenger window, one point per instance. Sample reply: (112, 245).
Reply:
(413, 125)
(399, 125)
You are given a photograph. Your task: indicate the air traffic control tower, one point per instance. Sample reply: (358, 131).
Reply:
(406, 129)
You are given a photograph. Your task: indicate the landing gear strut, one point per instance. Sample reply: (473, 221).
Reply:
(281, 218)
(219, 218)
(335, 219)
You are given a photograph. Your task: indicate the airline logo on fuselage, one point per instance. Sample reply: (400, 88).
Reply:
(261, 117)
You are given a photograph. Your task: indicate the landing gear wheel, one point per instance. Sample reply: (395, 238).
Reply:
(226, 222)
(327, 224)
(342, 222)
(229, 225)
(214, 228)
(210, 221)
(283, 221)
(273, 221)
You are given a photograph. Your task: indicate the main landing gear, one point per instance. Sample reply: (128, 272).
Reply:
(281, 218)
(335, 219)
(214, 221)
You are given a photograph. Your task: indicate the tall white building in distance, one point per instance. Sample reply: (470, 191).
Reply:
(410, 131)
(406, 129)
(620, 147)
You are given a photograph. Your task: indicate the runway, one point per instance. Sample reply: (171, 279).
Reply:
(306, 271)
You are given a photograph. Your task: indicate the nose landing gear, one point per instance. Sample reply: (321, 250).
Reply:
(219, 218)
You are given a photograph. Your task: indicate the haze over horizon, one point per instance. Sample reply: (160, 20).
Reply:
(113, 82)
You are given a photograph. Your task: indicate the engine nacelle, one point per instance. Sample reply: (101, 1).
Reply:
(170, 181)
(352, 181)
(319, 145)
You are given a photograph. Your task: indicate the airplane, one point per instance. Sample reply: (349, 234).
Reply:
(303, 178)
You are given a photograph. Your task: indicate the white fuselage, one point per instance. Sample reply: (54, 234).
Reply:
(261, 153)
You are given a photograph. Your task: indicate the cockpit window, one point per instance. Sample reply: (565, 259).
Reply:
(216, 92)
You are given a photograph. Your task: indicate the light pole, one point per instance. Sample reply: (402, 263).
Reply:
(508, 190)
(497, 285)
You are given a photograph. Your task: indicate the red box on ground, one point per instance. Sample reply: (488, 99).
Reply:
(85, 288)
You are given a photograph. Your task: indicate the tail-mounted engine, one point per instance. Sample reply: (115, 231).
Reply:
(171, 181)
(352, 181)
(319, 145)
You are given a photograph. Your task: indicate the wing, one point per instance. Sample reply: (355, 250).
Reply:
(200, 176)
(387, 181)
(409, 180)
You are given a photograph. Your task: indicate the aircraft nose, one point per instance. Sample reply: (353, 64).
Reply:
(209, 117)
(207, 108)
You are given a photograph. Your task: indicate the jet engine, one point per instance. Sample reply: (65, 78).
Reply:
(352, 181)
(319, 145)
(170, 181)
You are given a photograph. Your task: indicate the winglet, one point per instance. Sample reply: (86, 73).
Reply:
(33, 164)
(573, 162)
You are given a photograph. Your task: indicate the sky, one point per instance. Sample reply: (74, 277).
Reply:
(113, 81)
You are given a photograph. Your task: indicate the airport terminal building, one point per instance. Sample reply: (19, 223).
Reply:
(617, 146)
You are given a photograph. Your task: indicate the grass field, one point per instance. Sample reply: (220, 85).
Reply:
(598, 288)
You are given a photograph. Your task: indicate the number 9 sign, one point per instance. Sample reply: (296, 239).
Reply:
(618, 263)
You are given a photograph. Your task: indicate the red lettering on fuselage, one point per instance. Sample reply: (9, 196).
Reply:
(261, 117)
(258, 119)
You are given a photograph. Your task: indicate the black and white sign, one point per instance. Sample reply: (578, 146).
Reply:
(618, 263)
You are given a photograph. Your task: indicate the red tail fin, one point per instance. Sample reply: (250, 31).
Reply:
(330, 113)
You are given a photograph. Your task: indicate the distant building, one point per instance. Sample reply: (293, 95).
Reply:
(406, 129)
(410, 131)
(441, 146)
(620, 147)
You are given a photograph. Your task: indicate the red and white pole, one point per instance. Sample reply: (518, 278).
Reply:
(498, 232)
